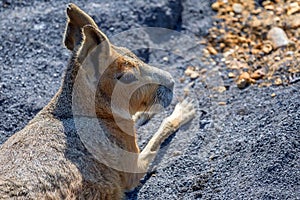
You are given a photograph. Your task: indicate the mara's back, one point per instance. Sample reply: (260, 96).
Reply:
(46, 160)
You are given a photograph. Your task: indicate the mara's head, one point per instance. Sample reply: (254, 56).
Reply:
(121, 83)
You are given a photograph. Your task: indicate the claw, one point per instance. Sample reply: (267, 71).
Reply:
(186, 100)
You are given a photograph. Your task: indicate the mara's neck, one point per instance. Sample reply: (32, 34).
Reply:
(60, 106)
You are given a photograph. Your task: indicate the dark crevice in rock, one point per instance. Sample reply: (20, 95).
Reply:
(165, 14)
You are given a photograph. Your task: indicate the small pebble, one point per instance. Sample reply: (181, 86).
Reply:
(278, 81)
(166, 59)
(244, 80)
(277, 58)
(231, 75)
(289, 53)
(215, 6)
(190, 71)
(237, 8)
(293, 8)
(257, 74)
(181, 79)
(222, 103)
(212, 50)
(177, 153)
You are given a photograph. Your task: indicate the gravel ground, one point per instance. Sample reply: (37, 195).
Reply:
(246, 149)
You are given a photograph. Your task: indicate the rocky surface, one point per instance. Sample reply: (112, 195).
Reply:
(259, 40)
(243, 144)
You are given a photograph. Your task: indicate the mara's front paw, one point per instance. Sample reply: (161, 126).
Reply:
(183, 112)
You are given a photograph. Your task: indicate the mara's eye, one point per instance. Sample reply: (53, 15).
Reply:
(126, 77)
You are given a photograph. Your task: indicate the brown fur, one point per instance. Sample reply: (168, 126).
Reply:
(48, 159)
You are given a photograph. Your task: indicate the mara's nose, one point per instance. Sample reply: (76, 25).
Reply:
(170, 82)
(159, 76)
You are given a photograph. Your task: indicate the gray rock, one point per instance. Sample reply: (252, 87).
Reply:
(278, 37)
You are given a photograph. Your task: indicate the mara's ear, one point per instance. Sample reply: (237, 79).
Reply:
(77, 19)
(93, 38)
(94, 54)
